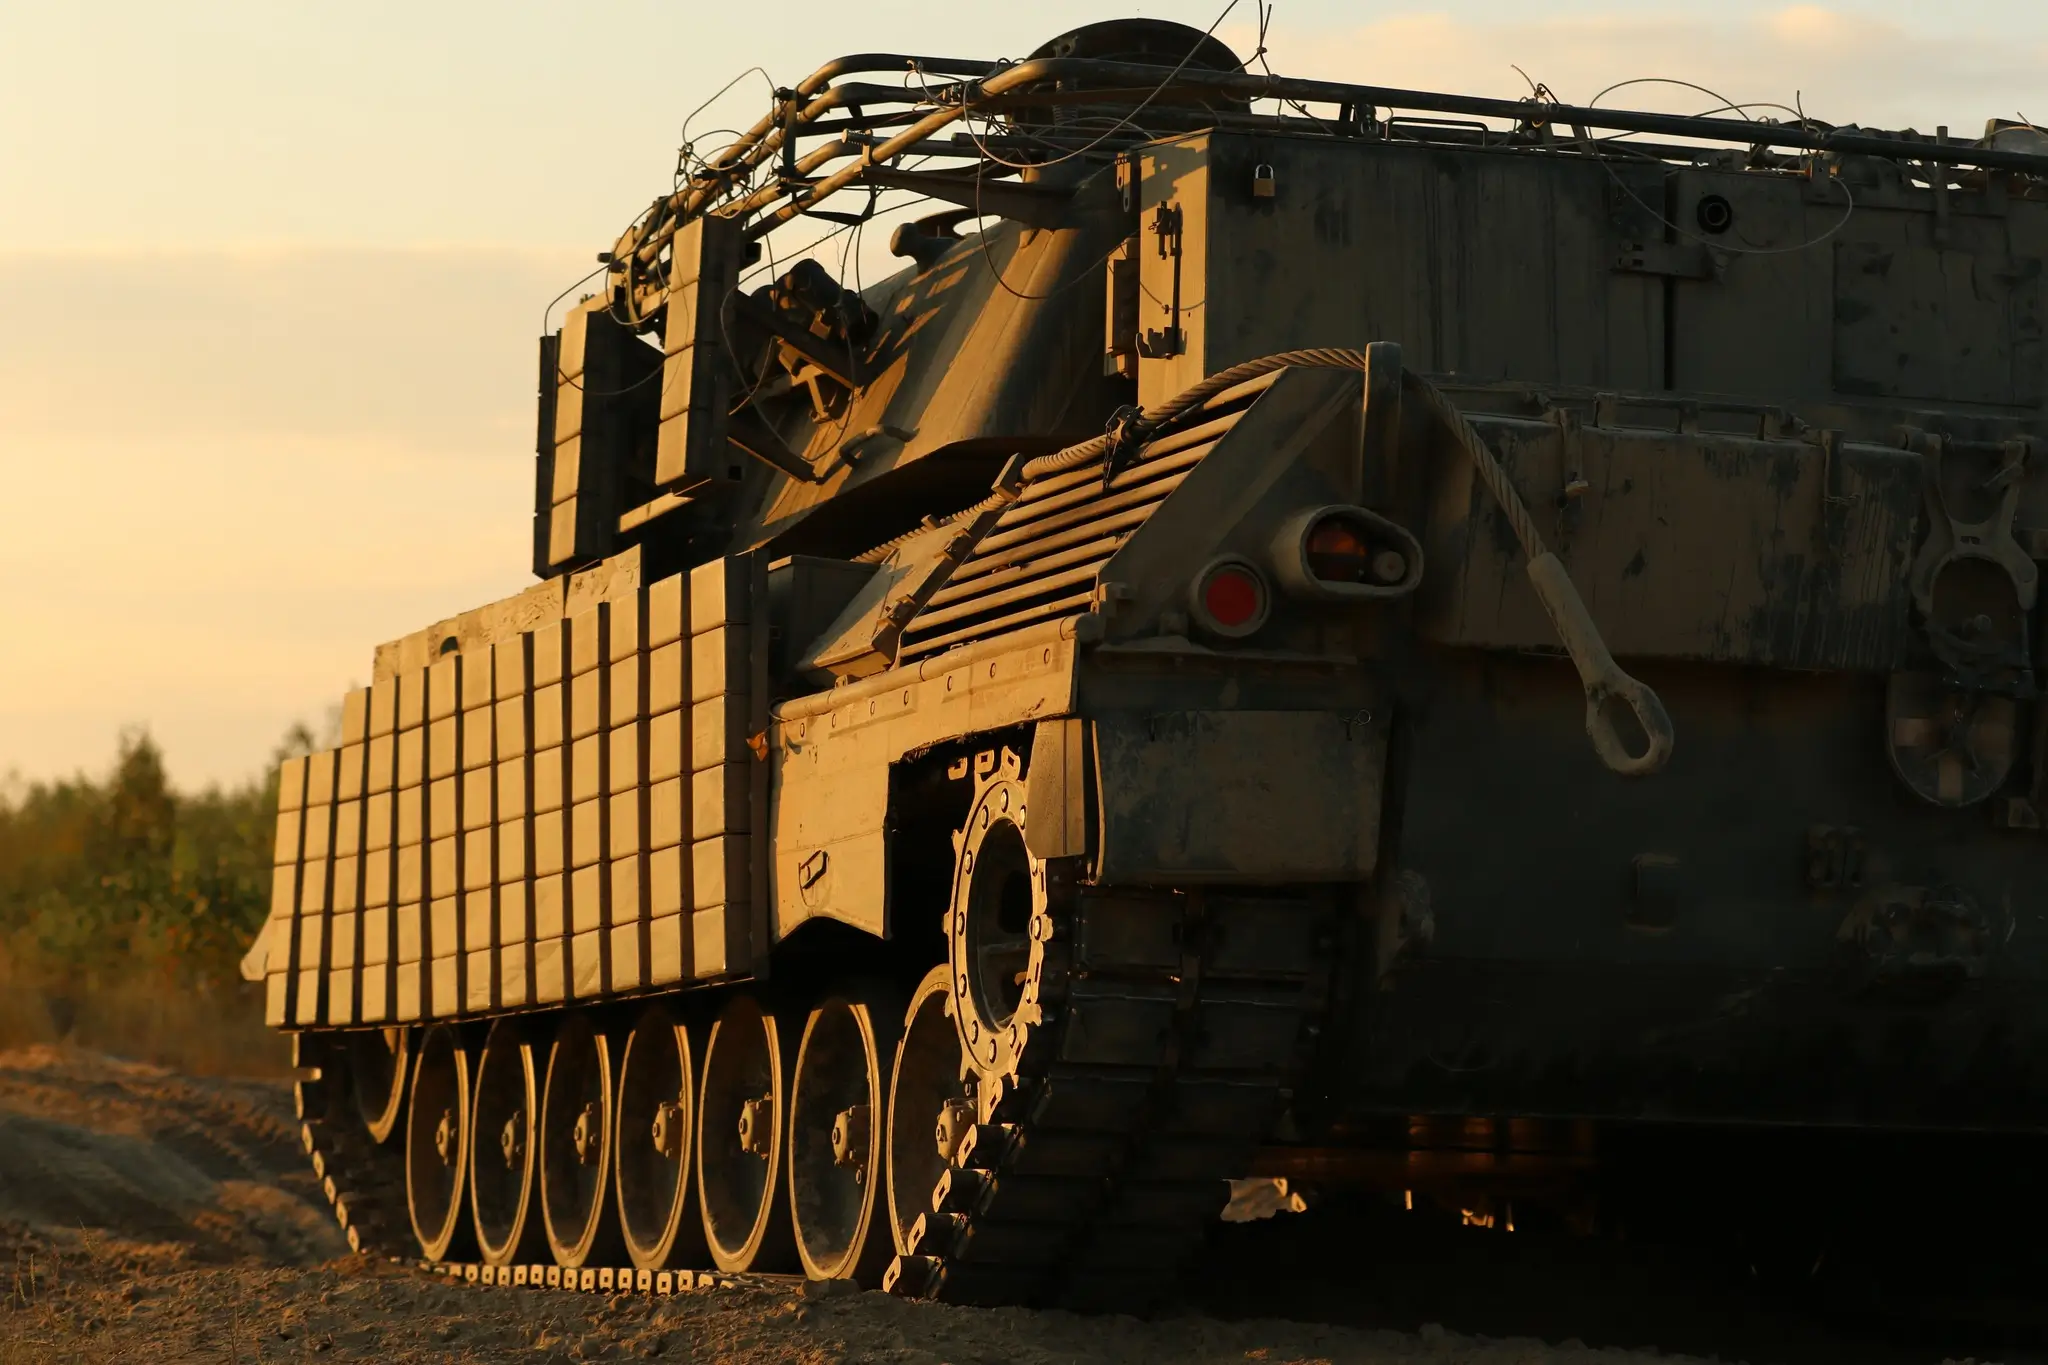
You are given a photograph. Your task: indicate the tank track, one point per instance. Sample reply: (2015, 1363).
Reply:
(363, 1180)
(1168, 1029)
(1167, 1032)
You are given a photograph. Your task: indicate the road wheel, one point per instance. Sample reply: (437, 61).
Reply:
(576, 1145)
(657, 1121)
(501, 1161)
(377, 1066)
(437, 1145)
(838, 1111)
(929, 1110)
(741, 1140)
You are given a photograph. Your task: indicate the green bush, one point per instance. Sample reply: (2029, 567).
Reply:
(103, 879)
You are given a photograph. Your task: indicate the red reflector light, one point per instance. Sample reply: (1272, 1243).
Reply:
(1232, 598)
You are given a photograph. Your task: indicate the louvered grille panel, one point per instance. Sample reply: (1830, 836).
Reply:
(1041, 558)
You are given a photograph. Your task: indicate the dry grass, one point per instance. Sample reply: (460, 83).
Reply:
(145, 1018)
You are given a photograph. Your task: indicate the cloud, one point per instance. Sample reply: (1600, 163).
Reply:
(1838, 67)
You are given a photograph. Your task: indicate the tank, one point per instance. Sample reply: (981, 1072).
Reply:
(1275, 642)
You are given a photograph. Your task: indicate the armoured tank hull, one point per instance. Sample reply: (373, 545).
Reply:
(907, 836)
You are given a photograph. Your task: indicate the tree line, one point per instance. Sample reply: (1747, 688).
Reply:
(104, 878)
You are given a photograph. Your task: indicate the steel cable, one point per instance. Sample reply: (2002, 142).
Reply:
(1606, 685)
(1326, 358)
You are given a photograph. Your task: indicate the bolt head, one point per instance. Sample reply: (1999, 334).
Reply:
(588, 1135)
(850, 1132)
(757, 1126)
(667, 1129)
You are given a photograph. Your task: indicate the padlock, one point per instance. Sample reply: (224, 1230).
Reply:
(1263, 184)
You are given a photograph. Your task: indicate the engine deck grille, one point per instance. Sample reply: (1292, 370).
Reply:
(1041, 558)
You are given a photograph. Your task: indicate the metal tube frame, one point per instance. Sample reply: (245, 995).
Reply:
(949, 89)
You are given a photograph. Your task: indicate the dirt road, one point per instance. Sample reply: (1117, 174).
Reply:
(147, 1217)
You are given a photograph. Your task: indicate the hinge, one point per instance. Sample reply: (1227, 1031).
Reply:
(1120, 340)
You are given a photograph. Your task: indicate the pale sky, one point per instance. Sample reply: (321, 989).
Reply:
(271, 275)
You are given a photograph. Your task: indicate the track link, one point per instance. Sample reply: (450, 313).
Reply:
(362, 1179)
(1166, 1031)
(1162, 1035)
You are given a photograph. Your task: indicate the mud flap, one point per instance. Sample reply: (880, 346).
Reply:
(1057, 789)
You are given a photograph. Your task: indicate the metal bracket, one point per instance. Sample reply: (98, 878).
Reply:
(1034, 205)
(1836, 502)
(1571, 496)
(838, 365)
(1968, 646)
(1120, 311)
(751, 433)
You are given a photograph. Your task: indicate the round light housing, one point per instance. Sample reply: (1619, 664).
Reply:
(1345, 554)
(1340, 548)
(1230, 598)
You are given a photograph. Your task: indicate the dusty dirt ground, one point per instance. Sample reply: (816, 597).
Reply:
(147, 1217)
